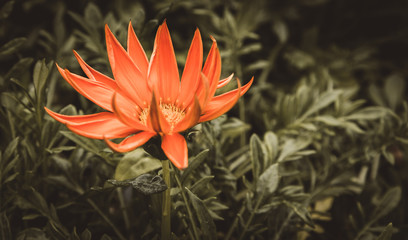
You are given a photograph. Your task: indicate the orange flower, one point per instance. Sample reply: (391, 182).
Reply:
(148, 98)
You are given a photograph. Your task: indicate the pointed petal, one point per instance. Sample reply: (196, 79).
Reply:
(136, 52)
(128, 112)
(191, 118)
(192, 70)
(98, 93)
(126, 73)
(224, 81)
(95, 126)
(212, 68)
(130, 143)
(224, 102)
(95, 75)
(202, 90)
(175, 148)
(80, 119)
(163, 71)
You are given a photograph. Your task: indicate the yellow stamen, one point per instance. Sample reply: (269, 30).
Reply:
(172, 114)
(143, 115)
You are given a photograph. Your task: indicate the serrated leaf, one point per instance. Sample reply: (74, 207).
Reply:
(147, 184)
(134, 164)
(208, 228)
(12, 46)
(269, 180)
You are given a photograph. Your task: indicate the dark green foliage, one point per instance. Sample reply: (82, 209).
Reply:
(317, 149)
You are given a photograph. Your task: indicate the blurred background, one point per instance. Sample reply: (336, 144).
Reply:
(328, 104)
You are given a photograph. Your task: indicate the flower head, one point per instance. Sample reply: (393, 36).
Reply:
(147, 98)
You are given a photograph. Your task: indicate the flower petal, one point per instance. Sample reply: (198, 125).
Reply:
(163, 71)
(130, 143)
(157, 120)
(98, 93)
(95, 126)
(175, 148)
(128, 112)
(95, 75)
(127, 75)
(224, 102)
(136, 52)
(212, 68)
(224, 81)
(192, 69)
(191, 118)
(202, 90)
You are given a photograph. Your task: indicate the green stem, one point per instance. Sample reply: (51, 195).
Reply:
(248, 223)
(166, 204)
(234, 224)
(190, 214)
(123, 208)
(93, 204)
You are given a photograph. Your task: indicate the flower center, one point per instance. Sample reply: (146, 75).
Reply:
(143, 115)
(171, 113)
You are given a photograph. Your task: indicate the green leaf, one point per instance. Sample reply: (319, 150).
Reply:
(6, 9)
(368, 113)
(134, 164)
(11, 149)
(88, 144)
(93, 15)
(291, 147)
(19, 68)
(394, 90)
(5, 229)
(194, 163)
(269, 180)
(281, 30)
(386, 233)
(301, 211)
(208, 228)
(321, 102)
(86, 235)
(40, 76)
(32, 234)
(258, 156)
(200, 184)
(147, 184)
(387, 203)
(271, 144)
(12, 46)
